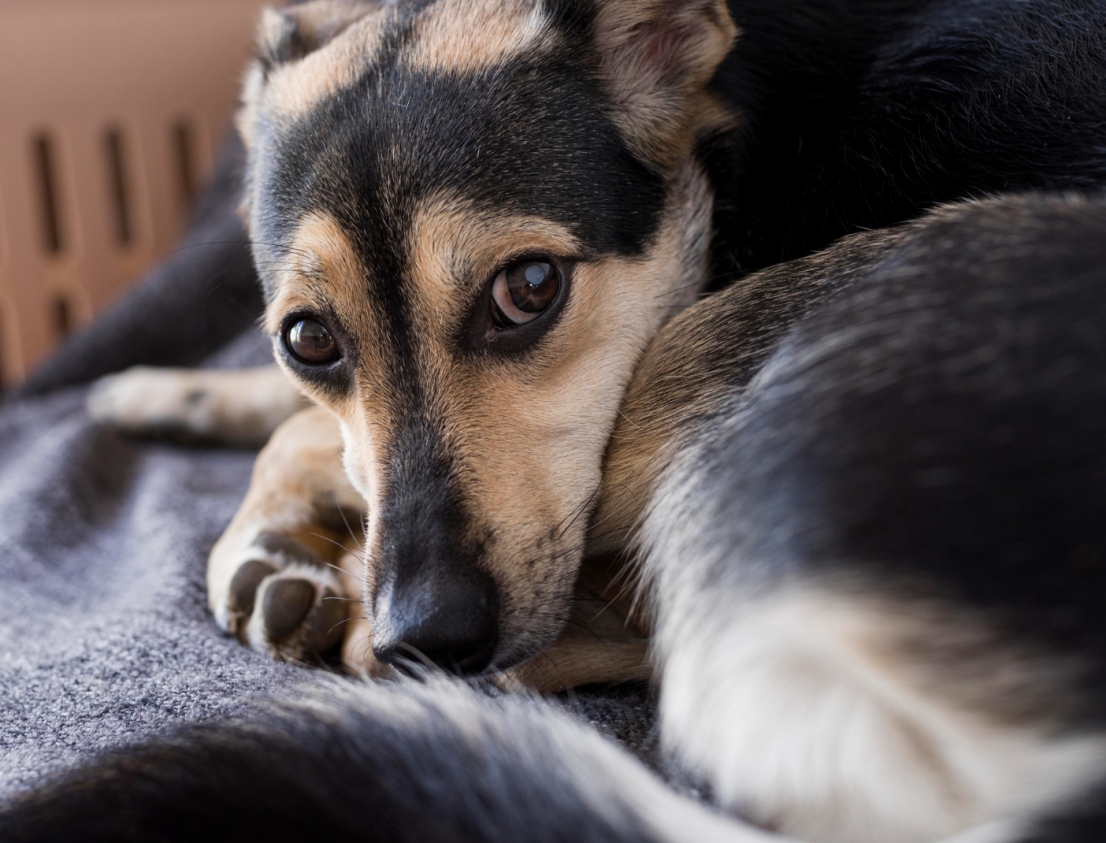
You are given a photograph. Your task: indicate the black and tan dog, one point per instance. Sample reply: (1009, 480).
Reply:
(867, 484)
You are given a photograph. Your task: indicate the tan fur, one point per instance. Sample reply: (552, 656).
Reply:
(450, 236)
(294, 88)
(245, 120)
(319, 261)
(477, 35)
(695, 368)
(322, 270)
(300, 492)
(357, 641)
(604, 641)
(241, 407)
(351, 33)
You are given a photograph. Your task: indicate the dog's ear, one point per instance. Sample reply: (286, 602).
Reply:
(657, 57)
(291, 33)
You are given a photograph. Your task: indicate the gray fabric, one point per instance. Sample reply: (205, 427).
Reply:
(104, 628)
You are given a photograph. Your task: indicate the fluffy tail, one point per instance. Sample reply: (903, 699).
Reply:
(423, 763)
(404, 763)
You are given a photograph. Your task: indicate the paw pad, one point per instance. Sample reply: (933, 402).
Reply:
(243, 588)
(287, 605)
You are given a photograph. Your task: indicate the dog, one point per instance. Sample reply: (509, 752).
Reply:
(861, 479)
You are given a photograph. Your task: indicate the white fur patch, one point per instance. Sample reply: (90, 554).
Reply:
(797, 724)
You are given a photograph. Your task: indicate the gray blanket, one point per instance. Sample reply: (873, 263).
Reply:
(105, 636)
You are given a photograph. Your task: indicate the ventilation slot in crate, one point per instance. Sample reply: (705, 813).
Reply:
(3, 350)
(62, 316)
(121, 191)
(46, 169)
(184, 154)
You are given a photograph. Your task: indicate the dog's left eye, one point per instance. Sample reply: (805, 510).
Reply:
(524, 291)
(311, 342)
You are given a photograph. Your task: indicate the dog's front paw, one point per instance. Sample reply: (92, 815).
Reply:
(286, 576)
(147, 400)
(240, 407)
(282, 598)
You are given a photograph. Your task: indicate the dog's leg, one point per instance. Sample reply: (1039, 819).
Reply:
(237, 407)
(286, 576)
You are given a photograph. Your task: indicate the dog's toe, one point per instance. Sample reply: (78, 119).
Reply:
(244, 585)
(298, 615)
(287, 605)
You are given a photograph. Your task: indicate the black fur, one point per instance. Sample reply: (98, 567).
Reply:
(1082, 821)
(391, 764)
(938, 430)
(863, 113)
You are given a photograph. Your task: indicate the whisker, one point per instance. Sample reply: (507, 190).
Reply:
(418, 654)
(585, 627)
(352, 535)
(347, 620)
(580, 510)
(353, 577)
(329, 539)
(358, 643)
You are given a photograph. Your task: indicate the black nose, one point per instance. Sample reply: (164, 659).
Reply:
(447, 618)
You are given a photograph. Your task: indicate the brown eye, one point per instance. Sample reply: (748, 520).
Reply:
(310, 342)
(523, 291)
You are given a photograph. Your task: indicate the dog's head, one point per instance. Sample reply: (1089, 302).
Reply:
(470, 216)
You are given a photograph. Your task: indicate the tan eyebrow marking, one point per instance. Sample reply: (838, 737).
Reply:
(447, 232)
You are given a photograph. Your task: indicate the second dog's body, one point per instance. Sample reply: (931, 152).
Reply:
(867, 485)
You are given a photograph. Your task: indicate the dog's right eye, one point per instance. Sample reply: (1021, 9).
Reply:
(311, 342)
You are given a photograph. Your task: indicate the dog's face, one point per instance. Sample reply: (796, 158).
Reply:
(470, 216)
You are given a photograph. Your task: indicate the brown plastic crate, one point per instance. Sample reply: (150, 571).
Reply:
(109, 114)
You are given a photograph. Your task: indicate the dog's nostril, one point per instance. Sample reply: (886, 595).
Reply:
(447, 621)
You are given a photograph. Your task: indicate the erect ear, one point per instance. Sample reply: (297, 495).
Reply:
(657, 57)
(291, 33)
